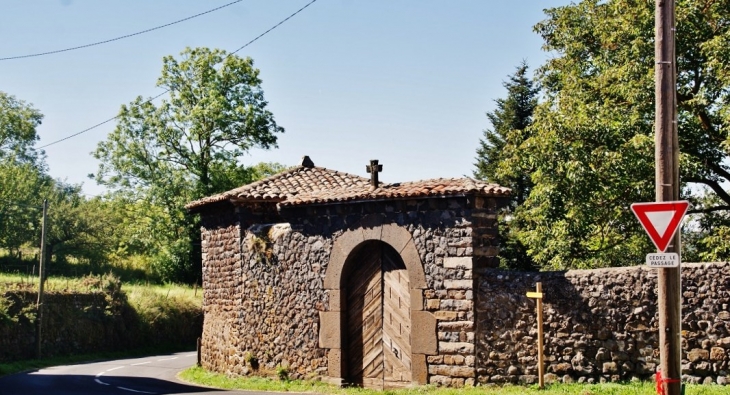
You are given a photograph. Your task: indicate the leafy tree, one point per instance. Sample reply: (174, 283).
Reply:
(190, 145)
(212, 118)
(509, 121)
(591, 144)
(77, 227)
(18, 123)
(20, 203)
(22, 173)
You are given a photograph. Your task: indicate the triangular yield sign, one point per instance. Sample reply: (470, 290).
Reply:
(660, 220)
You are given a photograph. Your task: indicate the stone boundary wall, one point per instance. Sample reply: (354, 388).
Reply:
(81, 323)
(600, 325)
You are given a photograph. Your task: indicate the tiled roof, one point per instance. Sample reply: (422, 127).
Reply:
(288, 184)
(308, 184)
(425, 188)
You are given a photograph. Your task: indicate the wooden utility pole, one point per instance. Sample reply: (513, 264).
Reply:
(667, 189)
(42, 279)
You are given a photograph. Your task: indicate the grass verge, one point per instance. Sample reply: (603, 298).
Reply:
(201, 376)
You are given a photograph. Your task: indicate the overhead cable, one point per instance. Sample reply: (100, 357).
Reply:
(118, 38)
(167, 90)
(272, 28)
(98, 124)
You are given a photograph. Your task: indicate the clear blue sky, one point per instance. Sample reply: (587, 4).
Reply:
(406, 82)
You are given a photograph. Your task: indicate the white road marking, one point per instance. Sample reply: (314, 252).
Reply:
(137, 391)
(135, 364)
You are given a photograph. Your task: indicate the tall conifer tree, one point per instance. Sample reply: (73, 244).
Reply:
(509, 128)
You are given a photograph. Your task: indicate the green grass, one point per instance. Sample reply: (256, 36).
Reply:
(136, 292)
(182, 293)
(201, 376)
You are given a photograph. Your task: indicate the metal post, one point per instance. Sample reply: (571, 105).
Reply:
(41, 281)
(667, 189)
(198, 348)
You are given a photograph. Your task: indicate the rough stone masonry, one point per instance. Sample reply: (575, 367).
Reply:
(278, 256)
(601, 325)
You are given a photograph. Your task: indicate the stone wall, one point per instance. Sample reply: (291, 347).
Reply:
(91, 322)
(444, 234)
(600, 325)
(220, 244)
(264, 283)
(265, 274)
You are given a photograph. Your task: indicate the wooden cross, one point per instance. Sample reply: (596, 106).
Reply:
(540, 341)
(374, 168)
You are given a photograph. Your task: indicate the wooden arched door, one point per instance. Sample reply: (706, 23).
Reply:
(378, 324)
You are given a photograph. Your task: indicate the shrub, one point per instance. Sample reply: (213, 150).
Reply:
(282, 372)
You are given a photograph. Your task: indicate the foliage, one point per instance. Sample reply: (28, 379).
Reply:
(6, 317)
(707, 235)
(212, 118)
(590, 148)
(509, 129)
(20, 203)
(143, 238)
(77, 227)
(18, 123)
(251, 360)
(22, 173)
(510, 121)
(282, 372)
(188, 147)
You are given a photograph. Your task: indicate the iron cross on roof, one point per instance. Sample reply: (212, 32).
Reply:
(374, 168)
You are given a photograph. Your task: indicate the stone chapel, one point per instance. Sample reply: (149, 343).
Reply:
(346, 278)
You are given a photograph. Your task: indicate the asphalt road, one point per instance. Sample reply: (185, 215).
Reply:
(149, 375)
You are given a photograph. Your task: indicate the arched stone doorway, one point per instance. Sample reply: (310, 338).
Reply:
(378, 332)
(397, 245)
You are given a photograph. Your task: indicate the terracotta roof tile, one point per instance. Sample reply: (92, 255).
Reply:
(308, 184)
(286, 185)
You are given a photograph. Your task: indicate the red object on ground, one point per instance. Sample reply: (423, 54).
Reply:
(660, 383)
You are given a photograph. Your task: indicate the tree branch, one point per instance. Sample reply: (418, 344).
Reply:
(708, 210)
(714, 185)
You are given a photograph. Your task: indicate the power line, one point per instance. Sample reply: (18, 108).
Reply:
(274, 27)
(97, 125)
(119, 38)
(167, 90)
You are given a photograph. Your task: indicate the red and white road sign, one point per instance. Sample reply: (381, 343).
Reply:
(660, 220)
